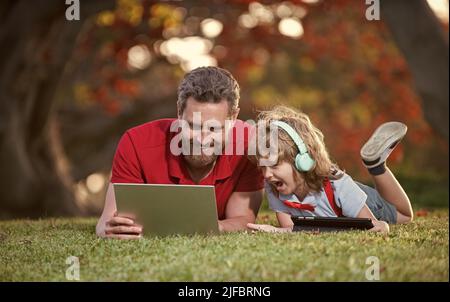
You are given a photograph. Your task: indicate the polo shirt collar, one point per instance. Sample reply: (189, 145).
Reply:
(289, 197)
(309, 198)
(222, 169)
(176, 168)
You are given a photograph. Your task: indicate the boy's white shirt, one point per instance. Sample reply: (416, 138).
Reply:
(348, 196)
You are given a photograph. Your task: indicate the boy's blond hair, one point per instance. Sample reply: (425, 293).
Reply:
(311, 136)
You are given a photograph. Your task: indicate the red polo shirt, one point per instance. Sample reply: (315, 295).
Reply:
(143, 156)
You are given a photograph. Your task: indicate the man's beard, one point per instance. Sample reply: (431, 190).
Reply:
(200, 161)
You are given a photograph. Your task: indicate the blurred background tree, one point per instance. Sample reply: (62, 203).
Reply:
(70, 89)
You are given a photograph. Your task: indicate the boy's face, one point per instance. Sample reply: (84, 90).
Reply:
(281, 176)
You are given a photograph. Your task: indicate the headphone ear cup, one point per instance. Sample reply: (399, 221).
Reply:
(304, 162)
(298, 163)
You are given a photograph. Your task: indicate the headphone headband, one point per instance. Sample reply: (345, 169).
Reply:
(293, 135)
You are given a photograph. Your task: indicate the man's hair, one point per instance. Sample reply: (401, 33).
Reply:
(209, 84)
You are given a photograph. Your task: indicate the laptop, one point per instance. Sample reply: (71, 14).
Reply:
(164, 209)
(330, 224)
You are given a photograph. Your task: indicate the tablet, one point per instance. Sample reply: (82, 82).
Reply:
(168, 209)
(311, 223)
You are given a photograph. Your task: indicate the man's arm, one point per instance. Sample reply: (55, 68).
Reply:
(242, 208)
(109, 208)
(113, 225)
(125, 169)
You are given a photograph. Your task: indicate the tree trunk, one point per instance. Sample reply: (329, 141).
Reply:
(37, 41)
(420, 37)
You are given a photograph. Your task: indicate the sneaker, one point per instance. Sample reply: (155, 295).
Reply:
(382, 142)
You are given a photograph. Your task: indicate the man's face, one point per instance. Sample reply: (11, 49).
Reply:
(206, 129)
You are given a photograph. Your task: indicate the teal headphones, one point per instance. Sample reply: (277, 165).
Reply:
(303, 161)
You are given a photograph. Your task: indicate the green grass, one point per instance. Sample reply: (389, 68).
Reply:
(37, 251)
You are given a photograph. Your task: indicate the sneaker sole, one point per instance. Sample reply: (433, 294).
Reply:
(383, 137)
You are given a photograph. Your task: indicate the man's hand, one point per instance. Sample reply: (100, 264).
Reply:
(268, 228)
(121, 226)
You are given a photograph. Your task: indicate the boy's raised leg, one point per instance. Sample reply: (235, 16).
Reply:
(374, 154)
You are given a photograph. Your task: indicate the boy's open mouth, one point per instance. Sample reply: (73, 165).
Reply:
(278, 184)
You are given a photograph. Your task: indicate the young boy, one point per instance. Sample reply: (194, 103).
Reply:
(305, 182)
